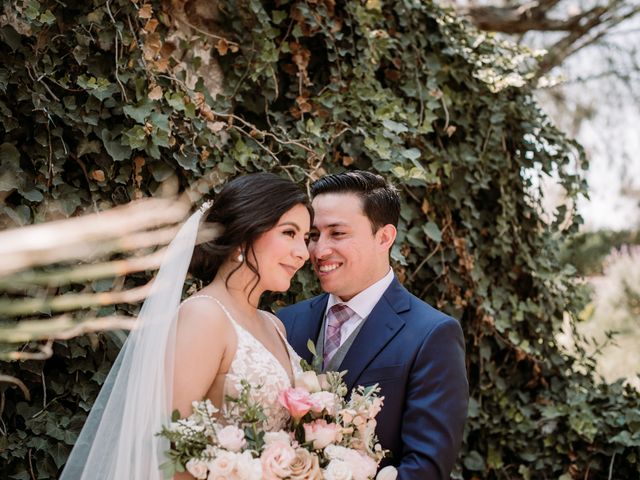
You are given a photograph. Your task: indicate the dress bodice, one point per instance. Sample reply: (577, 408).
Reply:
(254, 364)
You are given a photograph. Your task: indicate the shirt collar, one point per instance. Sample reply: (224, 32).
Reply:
(363, 303)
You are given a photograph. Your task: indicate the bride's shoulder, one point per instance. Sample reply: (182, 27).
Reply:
(202, 312)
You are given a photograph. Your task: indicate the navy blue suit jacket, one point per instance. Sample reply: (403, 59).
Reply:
(416, 354)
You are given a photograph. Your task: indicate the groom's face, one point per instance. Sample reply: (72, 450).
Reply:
(344, 251)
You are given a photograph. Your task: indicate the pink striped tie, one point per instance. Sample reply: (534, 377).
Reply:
(337, 315)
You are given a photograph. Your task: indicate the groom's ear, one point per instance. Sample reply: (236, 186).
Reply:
(385, 236)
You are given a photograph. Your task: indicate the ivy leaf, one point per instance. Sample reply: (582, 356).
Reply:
(474, 461)
(395, 126)
(59, 452)
(139, 112)
(10, 178)
(33, 195)
(88, 146)
(278, 16)
(113, 146)
(47, 17)
(411, 153)
(433, 232)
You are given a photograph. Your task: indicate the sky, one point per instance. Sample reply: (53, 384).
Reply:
(610, 133)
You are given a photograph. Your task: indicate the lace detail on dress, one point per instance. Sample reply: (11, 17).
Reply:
(257, 366)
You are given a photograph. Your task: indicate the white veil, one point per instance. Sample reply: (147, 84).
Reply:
(118, 440)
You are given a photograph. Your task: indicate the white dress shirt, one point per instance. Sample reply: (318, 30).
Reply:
(361, 304)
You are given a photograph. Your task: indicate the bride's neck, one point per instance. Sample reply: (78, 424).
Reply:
(237, 287)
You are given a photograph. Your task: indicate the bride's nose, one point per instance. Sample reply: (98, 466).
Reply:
(300, 250)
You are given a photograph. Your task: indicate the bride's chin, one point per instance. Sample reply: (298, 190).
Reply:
(283, 288)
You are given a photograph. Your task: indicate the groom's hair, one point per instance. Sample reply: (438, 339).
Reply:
(380, 199)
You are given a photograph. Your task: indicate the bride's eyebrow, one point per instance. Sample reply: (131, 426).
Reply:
(291, 224)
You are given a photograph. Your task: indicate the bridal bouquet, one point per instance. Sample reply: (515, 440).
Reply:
(329, 437)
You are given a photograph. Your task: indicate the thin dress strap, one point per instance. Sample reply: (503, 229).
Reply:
(275, 325)
(220, 304)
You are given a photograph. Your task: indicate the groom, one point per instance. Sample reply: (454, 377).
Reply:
(370, 325)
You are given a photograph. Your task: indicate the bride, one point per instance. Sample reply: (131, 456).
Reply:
(207, 345)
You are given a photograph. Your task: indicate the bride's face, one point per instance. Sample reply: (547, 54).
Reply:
(282, 251)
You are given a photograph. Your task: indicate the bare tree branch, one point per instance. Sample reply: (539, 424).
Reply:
(582, 29)
(519, 18)
(594, 30)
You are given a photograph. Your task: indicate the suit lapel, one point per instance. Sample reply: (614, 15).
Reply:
(382, 324)
(307, 326)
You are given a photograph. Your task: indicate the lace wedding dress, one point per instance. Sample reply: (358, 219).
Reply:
(254, 364)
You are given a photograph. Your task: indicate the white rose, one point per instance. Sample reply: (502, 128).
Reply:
(321, 433)
(335, 452)
(361, 465)
(324, 401)
(247, 467)
(222, 465)
(308, 381)
(231, 438)
(197, 468)
(337, 470)
(279, 436)
(387, 473)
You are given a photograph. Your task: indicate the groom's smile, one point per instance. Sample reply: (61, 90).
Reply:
(326, 268)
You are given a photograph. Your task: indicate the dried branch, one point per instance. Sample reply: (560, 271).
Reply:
(72, 301)
(19, 282)
(80, 237)
(61, 328)
(18, 382)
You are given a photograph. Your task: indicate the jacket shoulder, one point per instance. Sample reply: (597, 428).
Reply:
(288, 312)
(426, 316)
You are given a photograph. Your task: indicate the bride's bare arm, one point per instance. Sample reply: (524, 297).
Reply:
(201, 340)
(203, 334)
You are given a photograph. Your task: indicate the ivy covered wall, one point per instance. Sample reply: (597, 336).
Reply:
(102, 103)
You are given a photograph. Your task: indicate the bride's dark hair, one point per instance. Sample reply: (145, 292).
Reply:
(246, 207)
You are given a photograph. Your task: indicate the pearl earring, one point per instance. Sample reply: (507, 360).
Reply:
(240, 258)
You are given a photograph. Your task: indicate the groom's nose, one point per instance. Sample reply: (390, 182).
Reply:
(319, 248)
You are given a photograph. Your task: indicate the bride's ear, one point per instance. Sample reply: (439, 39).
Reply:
(385, 236)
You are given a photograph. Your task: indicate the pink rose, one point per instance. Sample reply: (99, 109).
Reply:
(297, 401)
(321, 433)
(276, 461)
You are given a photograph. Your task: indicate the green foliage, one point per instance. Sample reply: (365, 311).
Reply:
(586, 251)
(96, 112)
